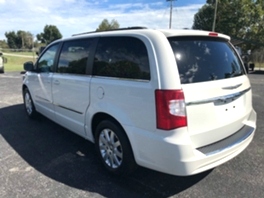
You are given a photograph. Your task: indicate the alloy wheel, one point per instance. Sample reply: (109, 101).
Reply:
(28, 103)
(110, 148)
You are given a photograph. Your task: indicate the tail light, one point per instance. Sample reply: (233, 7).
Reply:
(170, 109)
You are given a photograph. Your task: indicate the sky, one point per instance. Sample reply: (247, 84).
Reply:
(76, 16)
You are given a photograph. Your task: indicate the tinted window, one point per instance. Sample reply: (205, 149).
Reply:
(202, 59)
(122, 57)
(73, 57)
(46, 61)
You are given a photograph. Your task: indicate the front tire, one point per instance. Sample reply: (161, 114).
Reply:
(29, 104)
(113, 148)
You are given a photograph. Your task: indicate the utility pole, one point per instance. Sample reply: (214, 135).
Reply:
(171, 6)
(215, 11)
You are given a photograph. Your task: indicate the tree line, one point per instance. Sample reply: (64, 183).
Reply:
(25, 40)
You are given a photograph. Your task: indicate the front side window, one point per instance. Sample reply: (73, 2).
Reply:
(46, 61)
(73, 57)
(201, 59)
(121, 57)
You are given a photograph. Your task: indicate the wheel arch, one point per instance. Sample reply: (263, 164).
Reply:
(100, 116)
(24, 87)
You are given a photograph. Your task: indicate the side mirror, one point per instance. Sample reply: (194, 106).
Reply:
(28, 66)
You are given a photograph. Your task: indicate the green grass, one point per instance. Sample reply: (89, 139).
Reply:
(15, 63)
(259, 65)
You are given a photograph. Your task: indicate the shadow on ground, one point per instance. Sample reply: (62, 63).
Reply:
(69, 159)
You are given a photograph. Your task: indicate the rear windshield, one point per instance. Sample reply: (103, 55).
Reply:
(201, 59)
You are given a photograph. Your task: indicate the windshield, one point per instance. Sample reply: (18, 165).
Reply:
(201, 59)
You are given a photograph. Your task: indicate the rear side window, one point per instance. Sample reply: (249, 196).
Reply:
(201, 59)
(121, 57)
(74, 55)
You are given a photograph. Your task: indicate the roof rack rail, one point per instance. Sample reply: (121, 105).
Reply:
(118, 29)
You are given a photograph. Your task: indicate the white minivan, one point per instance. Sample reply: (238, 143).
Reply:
(175, 101)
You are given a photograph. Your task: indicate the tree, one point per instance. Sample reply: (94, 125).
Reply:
(19, 39)
(3, 44)
(25, 39)
(105, 25)
(49, 34)
(11, 39)
(237, 18)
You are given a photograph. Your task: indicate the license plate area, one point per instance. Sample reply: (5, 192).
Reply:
(231, 110)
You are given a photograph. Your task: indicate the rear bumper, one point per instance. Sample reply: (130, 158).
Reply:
(176, 155)
(220, 152)
(235, 139)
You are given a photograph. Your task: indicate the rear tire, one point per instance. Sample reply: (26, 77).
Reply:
(114, 149)
(29, 104)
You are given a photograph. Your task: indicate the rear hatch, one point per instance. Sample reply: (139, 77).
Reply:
(216, 89)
